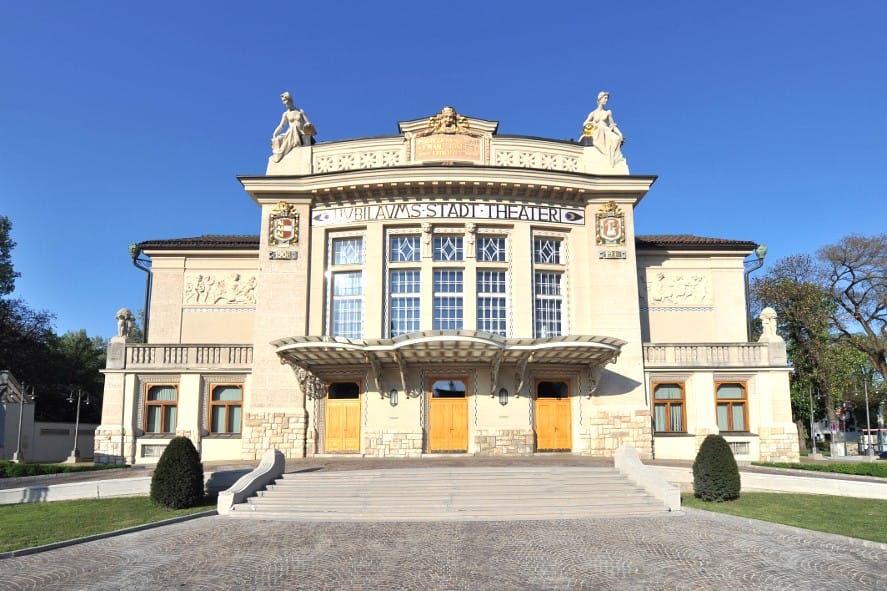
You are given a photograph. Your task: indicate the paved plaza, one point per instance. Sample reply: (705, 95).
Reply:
(693, 551)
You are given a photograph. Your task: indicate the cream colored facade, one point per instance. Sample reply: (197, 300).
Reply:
(446, 290)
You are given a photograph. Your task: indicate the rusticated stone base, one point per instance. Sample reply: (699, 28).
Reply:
(779, 444)
(284, 431)
(108, 449)
(504, 442)
(607, 430)
(393, 444)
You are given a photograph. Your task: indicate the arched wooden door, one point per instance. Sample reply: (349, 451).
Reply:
(447, 415)
(553, 417)
(342, 417)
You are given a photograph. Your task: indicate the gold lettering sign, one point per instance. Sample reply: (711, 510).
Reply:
(449, 147)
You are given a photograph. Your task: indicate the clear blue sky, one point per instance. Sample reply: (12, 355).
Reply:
(128, 121)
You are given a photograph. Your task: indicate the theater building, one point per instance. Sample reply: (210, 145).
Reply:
(446, 290)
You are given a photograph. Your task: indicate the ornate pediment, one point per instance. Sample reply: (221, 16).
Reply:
(449, 137)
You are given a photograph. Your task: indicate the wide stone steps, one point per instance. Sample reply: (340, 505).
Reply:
(432, 494)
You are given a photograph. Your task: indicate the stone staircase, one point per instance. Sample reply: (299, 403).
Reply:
(450, 494)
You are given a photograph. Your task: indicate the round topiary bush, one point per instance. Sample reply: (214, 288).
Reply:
(715, 473)
(177, 482)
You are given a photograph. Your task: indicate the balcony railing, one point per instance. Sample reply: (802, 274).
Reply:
(707, 355)
(188, 356)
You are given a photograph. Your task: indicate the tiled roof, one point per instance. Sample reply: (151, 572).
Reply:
(690, 242)
(208, 241)
(648, 241)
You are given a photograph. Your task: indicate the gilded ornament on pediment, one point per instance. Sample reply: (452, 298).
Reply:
(448, 121)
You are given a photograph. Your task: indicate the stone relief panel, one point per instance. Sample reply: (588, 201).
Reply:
(220, 289)
(539, 160)
(357, 160)
(661, 288)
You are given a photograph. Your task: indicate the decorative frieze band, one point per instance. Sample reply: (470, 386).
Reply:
(357, 160)
(676, 289)
(221, 289)
(538, 160)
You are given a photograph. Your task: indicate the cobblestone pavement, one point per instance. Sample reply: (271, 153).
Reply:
(693, 551)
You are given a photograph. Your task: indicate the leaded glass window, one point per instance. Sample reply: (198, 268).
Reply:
(404, 301)
(448, 289)
(547, 251)
(447, 247)
(347, 308)
(548, 304)
(491, 302)
(348, 251)
(490, 249)
(404, 249)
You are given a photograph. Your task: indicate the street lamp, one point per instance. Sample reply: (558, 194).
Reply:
(760, 253)
(23, 398)
(870, 448)
(75, 453)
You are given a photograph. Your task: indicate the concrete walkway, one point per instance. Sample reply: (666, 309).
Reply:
(694, 551)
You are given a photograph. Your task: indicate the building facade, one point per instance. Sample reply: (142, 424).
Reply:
(446, 290)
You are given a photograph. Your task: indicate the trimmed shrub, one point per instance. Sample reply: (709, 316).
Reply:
(715, 473)
(177, 482)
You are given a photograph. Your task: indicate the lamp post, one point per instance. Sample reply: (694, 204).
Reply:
(870, 448)
(812, 434)
(24, 398)
(75, 453)
(760, 253)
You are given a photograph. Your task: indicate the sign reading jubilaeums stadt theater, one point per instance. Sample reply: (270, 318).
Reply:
(429, 209)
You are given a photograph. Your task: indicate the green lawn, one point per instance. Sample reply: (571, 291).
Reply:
(878, 469)
(857, 518)
(35, 524)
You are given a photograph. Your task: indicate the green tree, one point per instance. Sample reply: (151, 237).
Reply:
(177, 481)
(29, 347)
(854, 272)
(7, 273)
(715, 473)
(804, 310)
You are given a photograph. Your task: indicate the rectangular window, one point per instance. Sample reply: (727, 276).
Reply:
(345, 288)
(548, 302)
(668, 408)
(732, 406)
(447, 247)
(161, 406)
(404, 249)
(447, 299)
(404, 301)
(225, 409)
(490, 249)
(491, 302)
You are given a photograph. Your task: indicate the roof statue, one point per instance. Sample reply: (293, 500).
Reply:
(125, 322)
(601, 130)
(294, 130)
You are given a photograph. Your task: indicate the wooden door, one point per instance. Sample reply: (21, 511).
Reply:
(553, 417)
(343, 417)
(447, 416)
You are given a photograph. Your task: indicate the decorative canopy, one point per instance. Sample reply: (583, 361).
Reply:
(326, 357)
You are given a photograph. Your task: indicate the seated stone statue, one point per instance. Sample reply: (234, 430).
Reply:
(294, 130)
(604, 134)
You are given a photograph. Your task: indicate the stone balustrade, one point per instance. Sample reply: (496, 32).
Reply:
(708, 355)
(139, 356)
